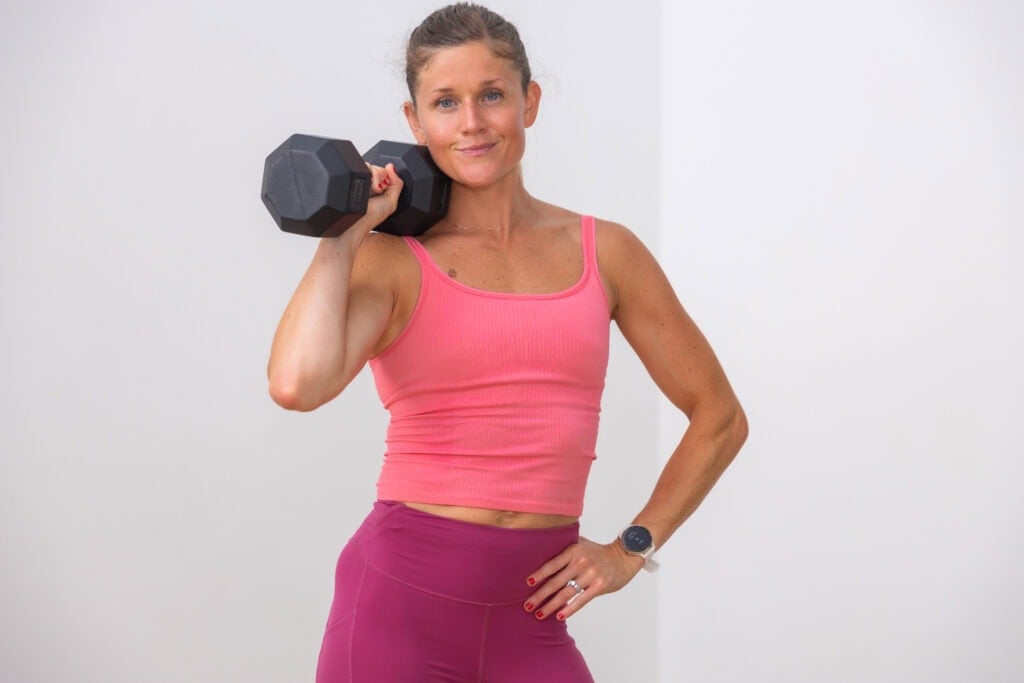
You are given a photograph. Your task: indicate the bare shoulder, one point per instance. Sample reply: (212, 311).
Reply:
(563, 221)
(622, 259)
(381, 245)
(617, 239)
(384, 261)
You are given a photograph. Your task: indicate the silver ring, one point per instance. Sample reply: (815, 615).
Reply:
(575, 586)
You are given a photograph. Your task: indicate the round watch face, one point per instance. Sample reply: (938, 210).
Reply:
(636, 539)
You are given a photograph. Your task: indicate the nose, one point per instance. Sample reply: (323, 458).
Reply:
(473, 120)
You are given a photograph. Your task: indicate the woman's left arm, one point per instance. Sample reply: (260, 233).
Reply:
(683, 365)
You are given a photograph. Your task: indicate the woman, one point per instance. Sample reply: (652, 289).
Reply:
(488, 340)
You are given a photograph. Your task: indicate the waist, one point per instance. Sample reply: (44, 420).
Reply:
(507, 519)
(456, 559)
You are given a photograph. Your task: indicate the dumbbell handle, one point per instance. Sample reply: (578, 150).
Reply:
(425, 188)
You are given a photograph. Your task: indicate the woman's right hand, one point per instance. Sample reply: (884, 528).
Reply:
(385, 186)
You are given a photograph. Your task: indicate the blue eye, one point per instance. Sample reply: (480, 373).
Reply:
(492, 96)
(445, 103)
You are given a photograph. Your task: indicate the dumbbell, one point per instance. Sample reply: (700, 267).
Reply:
(319, 186)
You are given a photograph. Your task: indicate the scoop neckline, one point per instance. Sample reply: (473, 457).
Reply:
(571, 289)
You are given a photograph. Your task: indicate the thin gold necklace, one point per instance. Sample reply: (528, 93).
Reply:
(460, 226)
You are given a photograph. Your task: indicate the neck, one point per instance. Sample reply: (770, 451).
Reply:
(499, 207)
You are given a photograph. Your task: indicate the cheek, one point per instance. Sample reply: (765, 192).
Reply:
(436, 129)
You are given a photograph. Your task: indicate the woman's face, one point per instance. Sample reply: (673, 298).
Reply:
(472, 113)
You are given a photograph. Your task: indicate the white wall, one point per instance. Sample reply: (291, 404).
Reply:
(160, 519)
(842, 210)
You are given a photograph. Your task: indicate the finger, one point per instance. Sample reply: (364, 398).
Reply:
(550, 578)
(555, 564)
(544, 595)
(391, 179)
(378, 179)
(574, 593)
(555, 592)
(574, 605)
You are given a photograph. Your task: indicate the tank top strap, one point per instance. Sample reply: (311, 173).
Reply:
(588, 237)
(419, 251)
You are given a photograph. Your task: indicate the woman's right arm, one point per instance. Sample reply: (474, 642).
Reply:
(338, 312)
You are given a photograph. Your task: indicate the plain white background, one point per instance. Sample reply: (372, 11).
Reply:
(834, 189)
(842, 207)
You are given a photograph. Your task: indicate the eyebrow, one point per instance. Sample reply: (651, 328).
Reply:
(483, 84)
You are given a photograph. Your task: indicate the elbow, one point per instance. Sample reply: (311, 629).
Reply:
(739, 428)
(291, 395)
(725, 424)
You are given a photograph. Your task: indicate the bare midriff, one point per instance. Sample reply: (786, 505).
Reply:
(501, 518)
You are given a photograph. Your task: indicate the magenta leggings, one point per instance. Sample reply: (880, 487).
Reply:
(421, 598)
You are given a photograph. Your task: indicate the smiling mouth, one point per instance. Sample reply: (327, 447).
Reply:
(475, 150)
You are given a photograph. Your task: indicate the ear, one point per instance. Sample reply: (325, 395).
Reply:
(409, 109)
(532, 103)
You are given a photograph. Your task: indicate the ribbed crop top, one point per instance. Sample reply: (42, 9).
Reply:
(494, 397)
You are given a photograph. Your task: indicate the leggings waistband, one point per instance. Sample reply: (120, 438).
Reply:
(459, 560)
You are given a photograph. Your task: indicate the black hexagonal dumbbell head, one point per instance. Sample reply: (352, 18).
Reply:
(425, 189)
(315, 186)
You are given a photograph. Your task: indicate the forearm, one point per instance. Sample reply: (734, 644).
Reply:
(708, 446)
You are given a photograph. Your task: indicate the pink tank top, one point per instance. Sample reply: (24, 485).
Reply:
(494, 398)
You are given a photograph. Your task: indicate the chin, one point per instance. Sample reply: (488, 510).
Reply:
(483, 178)
(477, 180)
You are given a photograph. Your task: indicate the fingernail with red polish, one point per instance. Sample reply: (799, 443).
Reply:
(529, 606)
(540, 615)
(561, 617)
(531, 581)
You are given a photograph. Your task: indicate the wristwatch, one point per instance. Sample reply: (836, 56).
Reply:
(637, 540)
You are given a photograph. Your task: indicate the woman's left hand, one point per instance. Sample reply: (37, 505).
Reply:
(574, 577)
